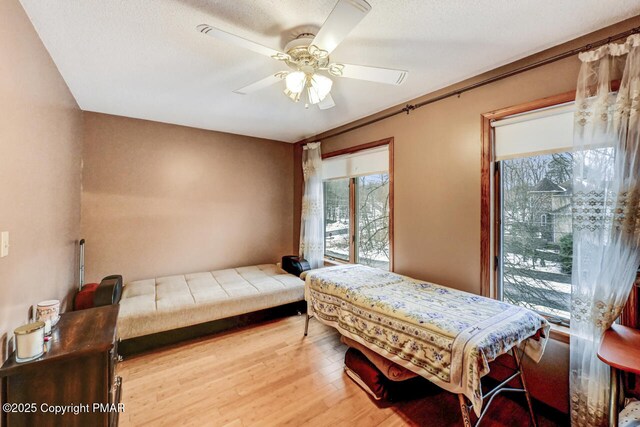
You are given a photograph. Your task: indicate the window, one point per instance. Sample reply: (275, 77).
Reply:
(358, 206)
(337, 219)
(534, 225)
(537, 239)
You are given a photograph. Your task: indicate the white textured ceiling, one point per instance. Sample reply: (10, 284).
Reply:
(145, 59)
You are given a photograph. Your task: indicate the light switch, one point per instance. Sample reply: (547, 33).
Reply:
(4, 244)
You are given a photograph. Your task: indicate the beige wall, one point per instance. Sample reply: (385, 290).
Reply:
(161, 199)
(437, 177)
(437, 167)
(40, 148)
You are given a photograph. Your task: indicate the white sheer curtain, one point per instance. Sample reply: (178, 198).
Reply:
(606, 215)
(312, 224)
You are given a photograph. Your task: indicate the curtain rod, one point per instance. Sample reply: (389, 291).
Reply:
(410, 107)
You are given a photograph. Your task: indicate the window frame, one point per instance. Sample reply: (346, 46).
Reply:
(490, 197)
(352, 196)
(490, 200)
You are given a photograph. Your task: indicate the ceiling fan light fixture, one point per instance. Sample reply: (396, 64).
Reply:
(318, 88)
(295, 82)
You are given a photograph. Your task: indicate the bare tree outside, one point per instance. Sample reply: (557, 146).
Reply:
(537, 233)
(372, 213)
(371, 219)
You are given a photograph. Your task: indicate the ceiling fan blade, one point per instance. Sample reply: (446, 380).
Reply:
(343, 18)
(326, 103)
(217, 33)
(261, 84)
(372, 74)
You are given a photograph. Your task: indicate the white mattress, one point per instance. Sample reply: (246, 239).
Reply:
(165, 303)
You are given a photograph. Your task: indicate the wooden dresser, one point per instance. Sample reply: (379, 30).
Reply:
(77, 373)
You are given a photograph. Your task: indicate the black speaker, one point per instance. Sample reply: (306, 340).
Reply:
(295, 265)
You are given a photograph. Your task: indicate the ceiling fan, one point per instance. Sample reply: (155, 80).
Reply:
(308, 58)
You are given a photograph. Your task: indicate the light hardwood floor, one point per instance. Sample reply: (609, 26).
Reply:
(268, 374)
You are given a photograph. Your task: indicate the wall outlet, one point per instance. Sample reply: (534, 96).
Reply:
(4, 244)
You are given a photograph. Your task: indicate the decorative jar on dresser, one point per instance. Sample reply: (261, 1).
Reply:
(75, 377)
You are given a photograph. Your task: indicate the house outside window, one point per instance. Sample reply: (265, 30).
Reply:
(534, 166)
(537, 239)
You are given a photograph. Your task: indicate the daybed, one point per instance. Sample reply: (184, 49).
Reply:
(167, 303)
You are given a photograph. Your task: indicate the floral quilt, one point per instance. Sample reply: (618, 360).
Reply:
(445, 335)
